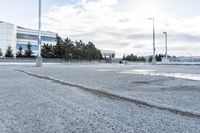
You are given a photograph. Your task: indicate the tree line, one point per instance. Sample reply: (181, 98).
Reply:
(159, 57)
(69, 49)
(133, 57)
(66, 49)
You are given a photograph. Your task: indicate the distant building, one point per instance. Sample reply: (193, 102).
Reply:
(17, 36)
(108, 53)
(186, 59)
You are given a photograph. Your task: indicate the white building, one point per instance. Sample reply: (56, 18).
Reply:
(16, 36)
(108, 53)
(186, 59)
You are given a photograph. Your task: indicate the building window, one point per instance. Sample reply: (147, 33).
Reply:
(26, 36)
(35, 37)
(24, 47)
(48, 39)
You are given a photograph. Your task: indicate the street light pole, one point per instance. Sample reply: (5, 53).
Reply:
(39, 29)
(154, 42)
(39, 58)
(166, 56)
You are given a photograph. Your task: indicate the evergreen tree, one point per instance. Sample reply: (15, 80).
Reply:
(28, 51)
(47, 51)
(59, 48)
(150, 59)
(124, 57)
(159, 57)
(133, 57)
(79, 50)
(113, 55)
(19, 53)
(9, 52)
(68, 49)
(141, 58)
(100, 56)
(1, 53)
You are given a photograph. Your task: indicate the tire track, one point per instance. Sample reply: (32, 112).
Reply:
(114, 96)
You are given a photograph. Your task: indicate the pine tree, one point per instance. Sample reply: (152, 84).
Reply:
(47, 51)
(91, 52)
(1, 53)
(28, 51)
(9, 52)
(19, 53)
(59, 49)
(79, 50)
(68, 49)
(133, 57)
(124, 57)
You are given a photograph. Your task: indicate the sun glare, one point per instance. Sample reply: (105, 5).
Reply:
(148, 8)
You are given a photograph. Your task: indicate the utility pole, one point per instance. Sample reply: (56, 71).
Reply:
(39, 58)
(166, 56)
(154, 48)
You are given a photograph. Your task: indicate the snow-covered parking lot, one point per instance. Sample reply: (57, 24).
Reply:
(99, 98)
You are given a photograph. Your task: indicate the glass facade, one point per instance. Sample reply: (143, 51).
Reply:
(48, 39)
(17, 36)
(24, 46)
(35, 37)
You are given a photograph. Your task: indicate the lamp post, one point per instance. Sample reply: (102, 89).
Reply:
(154, 48)
(166, 56)
(39, 58)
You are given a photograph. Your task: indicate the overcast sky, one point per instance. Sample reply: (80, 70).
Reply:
(119, 25)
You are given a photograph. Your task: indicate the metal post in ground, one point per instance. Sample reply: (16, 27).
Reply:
(154, 48)
(39, 58)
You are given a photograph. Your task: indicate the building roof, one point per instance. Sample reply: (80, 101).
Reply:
(26, 28)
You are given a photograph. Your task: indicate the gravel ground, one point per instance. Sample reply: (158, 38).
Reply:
(31, 104)
(133, 81)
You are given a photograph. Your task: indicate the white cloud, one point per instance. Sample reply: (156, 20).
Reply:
(126, 31)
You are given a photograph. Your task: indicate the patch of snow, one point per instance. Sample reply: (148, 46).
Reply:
(189, 76)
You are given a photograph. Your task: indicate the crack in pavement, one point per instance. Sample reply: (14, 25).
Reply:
(114, 96)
